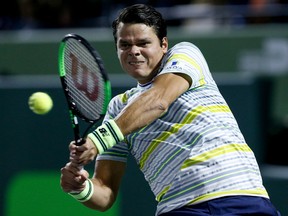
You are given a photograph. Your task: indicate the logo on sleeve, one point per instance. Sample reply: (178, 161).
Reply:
(174, 66)
(174, 63)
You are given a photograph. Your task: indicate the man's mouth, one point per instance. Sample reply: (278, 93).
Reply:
(136, 62)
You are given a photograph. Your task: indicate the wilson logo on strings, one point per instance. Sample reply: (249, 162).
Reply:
(81, 76)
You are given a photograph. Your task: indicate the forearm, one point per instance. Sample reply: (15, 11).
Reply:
(151, 104)
(105, 185)
(144, 110)
(95, 195)
(147, 107)
(102, 198)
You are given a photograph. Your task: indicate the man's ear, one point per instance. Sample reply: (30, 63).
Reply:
(164, 44)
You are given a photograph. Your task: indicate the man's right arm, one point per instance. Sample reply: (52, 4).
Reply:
(106, 182)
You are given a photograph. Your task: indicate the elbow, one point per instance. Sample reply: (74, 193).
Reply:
(106, 207)
(103, 209)
(99, 206)
(102, 205)
(162, 106)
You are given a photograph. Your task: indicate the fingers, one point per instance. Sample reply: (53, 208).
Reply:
(72, 146)
(73, 179)
(83, 154)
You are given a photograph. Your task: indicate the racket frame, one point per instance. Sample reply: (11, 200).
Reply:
(73, 110)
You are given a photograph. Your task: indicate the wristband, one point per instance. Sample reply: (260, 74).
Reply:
(106, 136)
(86, 194)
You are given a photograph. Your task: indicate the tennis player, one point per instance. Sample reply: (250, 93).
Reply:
(178, 127)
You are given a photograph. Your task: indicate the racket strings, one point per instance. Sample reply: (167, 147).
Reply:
(84, 79)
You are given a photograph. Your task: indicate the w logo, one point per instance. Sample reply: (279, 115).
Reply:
(83, 79)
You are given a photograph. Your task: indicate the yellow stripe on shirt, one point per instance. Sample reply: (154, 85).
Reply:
(225, 149)
(190, 61)
(187, 120)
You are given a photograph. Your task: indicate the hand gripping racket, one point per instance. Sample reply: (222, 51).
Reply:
(85, 83)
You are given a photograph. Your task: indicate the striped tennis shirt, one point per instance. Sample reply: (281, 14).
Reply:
(195, 152)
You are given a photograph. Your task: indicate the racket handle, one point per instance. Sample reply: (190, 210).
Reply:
(80, 141)
(80, 169)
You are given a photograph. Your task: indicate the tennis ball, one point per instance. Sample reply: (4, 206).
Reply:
(40, 103)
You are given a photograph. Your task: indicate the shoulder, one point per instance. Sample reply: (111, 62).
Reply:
(183, 50)
(184, 45)
(123, 98)
(119, 101)
(186, 48)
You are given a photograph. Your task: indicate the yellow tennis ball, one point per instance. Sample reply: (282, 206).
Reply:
(40, 103)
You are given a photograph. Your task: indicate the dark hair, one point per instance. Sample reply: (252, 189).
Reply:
(144, 14)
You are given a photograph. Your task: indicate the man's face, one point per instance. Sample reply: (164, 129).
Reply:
(139, 51)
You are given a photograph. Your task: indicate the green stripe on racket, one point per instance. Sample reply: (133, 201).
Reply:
(85, 83)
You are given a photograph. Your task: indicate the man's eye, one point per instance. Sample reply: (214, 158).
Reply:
(123, 46)
(144, 44)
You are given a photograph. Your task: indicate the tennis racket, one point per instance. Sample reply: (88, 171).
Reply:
(85, 83)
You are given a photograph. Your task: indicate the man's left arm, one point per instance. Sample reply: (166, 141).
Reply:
(152, 103)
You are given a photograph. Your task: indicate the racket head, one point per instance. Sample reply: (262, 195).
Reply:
(83, 78)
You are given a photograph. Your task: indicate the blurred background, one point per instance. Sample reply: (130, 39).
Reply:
(245, 44)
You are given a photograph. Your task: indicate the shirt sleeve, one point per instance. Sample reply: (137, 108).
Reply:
(186, 58)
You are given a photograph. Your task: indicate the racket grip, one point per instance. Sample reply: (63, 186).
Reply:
(80, 141)
(80, 169)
